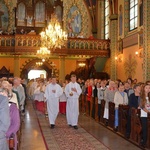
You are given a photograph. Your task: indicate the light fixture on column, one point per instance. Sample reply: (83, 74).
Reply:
(118, 58)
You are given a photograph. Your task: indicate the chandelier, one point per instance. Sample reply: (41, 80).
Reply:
(39, 63)
(43, 53)
(82, 64)
(53, 37)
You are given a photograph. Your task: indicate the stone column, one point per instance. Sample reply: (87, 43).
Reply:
(16, 66)
(62, 68)
(146, 41)
(113, 46)
(100, 20)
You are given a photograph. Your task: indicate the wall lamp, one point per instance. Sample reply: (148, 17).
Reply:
(139, 54)
(118, 58)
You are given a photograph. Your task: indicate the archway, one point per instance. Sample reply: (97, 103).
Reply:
(31, 65)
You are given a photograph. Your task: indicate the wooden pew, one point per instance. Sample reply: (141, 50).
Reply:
(111, 119)
(102, 111)
(83, 103)
(96, 110)
(135, 126)
(148, 137)
(123, 112)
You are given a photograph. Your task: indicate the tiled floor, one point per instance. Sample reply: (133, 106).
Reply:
(32, 139)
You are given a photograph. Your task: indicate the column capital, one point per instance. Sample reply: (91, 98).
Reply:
(113, 17)
(62, 56)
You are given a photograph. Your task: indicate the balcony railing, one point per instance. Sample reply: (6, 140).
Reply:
(75, 46)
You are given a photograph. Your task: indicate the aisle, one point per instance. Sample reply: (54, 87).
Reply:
(31, 138)
(37, 134)
(64, 137)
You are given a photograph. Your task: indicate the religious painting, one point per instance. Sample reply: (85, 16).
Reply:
(130, 66)
(58, 12)
(74, 21)
(3, 16)
(40, 14)
(21, 11)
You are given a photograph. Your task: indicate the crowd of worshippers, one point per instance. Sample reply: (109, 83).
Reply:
(12, 107)
(55, 97)
(130, 92)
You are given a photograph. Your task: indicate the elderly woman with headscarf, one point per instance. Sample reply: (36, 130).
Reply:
(14, 113)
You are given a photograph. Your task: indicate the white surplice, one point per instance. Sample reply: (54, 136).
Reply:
(72, 108)
(53, 101)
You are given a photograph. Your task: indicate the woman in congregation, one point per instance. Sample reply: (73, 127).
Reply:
(145, 109)
(14, 113)
(89, 97)
(119, 98)
(109, 97)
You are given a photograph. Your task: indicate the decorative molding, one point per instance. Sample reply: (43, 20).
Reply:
(130, 40)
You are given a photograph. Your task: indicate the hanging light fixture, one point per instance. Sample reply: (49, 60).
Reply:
(39, 63)
(43, 53)
(53, 37)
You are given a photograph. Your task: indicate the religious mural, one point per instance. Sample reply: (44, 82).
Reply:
(130, 66)
(3, 16)
(74, 21)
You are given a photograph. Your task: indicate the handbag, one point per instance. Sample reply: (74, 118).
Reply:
(11, 142)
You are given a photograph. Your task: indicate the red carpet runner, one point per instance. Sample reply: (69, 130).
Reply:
(63, 137)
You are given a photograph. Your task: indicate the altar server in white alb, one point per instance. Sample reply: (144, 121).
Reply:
(52, 93)
(73, 92)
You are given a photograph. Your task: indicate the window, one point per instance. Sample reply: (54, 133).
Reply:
(141, 12)
(106, 19)
(133, 14)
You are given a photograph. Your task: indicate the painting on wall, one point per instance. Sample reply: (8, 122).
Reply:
(130, 66)
(3, 16)
(74, 21)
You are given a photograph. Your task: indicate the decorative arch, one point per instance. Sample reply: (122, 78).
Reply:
(31, 64)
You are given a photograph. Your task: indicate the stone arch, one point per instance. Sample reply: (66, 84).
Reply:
(31, 64)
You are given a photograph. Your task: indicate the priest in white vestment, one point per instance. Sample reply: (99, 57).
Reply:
(52, 93)
(72, 92)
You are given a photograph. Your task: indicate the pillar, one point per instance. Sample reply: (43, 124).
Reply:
(16, 66)
(113, 46)
(146, 41)
(62, 68)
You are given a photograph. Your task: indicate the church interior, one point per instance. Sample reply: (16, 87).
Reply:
(99, 39)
